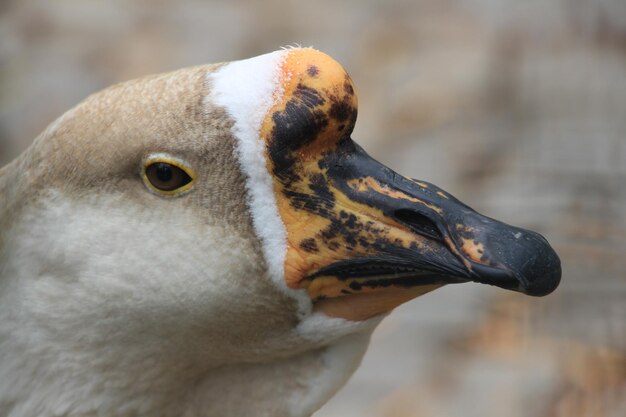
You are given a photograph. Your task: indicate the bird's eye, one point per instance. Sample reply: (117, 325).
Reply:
(167, 177)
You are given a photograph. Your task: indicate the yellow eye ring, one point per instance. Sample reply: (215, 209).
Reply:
(166, 175)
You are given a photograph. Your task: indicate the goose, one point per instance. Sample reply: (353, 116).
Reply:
(212, 242)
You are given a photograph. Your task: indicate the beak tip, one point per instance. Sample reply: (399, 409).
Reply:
(544, 275)
(531, 267)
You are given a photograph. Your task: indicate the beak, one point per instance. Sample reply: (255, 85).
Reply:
(355, 226)
(452, 242)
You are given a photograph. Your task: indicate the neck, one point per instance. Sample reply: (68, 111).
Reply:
(77, 385)
(294, 387)
(75, 346)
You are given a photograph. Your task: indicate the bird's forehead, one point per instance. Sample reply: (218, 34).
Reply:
(107, 135)
(98, 147)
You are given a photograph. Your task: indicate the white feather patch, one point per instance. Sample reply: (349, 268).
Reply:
(247, 90)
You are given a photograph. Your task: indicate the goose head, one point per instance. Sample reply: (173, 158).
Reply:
(212, 242)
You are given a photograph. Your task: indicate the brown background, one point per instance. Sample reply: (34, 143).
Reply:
(516, 107)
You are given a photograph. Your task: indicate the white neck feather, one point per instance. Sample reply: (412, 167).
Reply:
(247, 90)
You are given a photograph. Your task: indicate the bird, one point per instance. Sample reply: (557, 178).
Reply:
(212, 242)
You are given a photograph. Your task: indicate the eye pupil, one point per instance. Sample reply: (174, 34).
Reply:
(164, 172)
(166, 177)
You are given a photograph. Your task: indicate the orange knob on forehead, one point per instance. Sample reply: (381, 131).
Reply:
(316, 106)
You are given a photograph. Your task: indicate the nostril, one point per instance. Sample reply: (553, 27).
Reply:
(419, 223)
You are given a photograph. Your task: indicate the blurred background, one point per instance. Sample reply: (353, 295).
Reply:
(516, 107)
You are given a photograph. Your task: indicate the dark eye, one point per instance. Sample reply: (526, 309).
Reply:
(167, 177)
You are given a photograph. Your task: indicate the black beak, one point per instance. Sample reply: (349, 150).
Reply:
(510, 257)
(453, 243)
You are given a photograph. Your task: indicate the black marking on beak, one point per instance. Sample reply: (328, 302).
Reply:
(461, 244)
